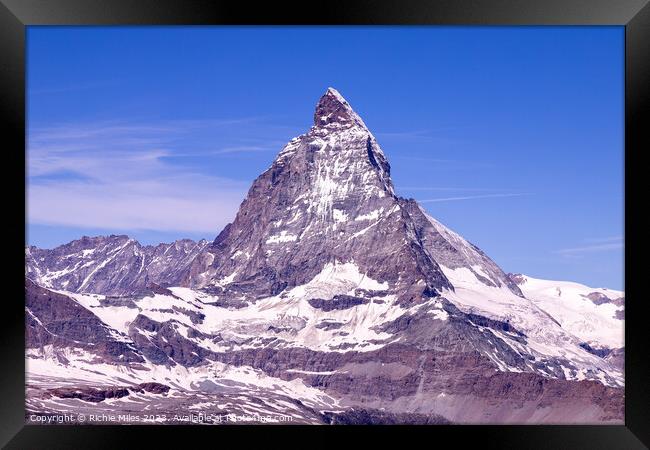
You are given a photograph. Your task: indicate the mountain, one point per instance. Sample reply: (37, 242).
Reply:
(328, 199)
(111, 265)
(328, 299)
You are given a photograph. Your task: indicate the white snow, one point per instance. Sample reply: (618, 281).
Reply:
(337, 278)
(362, 232)
(239, 253)
(47, 279)
(284, 236)
(339, 216)
(309, 372)
(372, 215)
(478, 269)
(244, 327)
(296, 323)
(227, 280)
(546, 339)
(44, 363)
(116, 317)
(439, 314)
(567, 303)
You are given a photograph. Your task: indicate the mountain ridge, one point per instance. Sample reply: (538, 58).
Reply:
(114, 264)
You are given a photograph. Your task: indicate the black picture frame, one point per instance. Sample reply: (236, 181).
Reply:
(15, 15)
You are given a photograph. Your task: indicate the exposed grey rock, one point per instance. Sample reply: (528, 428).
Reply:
(516, 278)
(337, 302)
(154, 388)
(99, 394)
(329, 325)
(617, 357)
(376, 417)
(601, 352)
(94, 395)
(58, 320)
(164, 344)
(451, 250)
(598, 298)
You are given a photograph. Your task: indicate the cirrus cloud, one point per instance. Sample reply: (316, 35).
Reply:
(114, 175)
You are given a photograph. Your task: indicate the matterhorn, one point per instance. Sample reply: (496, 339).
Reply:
(328, 299)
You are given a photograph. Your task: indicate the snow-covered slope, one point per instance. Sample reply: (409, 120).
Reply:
(595, 315)
(342, 309)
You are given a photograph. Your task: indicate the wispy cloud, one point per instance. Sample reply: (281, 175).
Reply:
(606, 239)
(439, 134)
(133, 206)
(115, 175)
(599, 245)
(419, 134)
(233, 150)
(472, 197)
(448, 189)
(243, 149)
(446, 164)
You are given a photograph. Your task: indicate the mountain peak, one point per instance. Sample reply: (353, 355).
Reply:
(327, 203)
(327, 199)
(334, 110)
(335, 93)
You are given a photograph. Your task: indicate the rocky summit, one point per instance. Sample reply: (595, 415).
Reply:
(328, 299)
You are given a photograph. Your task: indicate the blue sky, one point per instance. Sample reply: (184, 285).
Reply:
(511, 136)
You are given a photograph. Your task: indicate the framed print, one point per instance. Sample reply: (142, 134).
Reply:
(371, 218)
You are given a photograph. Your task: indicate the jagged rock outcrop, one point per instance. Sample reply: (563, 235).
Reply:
(53, 319)
(99, 394)
(111, 265)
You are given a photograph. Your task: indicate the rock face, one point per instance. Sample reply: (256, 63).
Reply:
(328, 198)
(90, 394)
(96, 395)
(329, 297)
(374, 417)
(617, 358)
(452, 251)
(337, 302)
(57, 320)
(112, 265)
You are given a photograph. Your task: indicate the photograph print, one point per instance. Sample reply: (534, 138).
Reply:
(326, 226)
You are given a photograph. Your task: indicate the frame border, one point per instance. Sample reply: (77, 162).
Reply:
(634, 15)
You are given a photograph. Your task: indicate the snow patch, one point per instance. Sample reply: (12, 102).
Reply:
(339, 216)
(284, 236)
(372, 215)
(567, 303)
